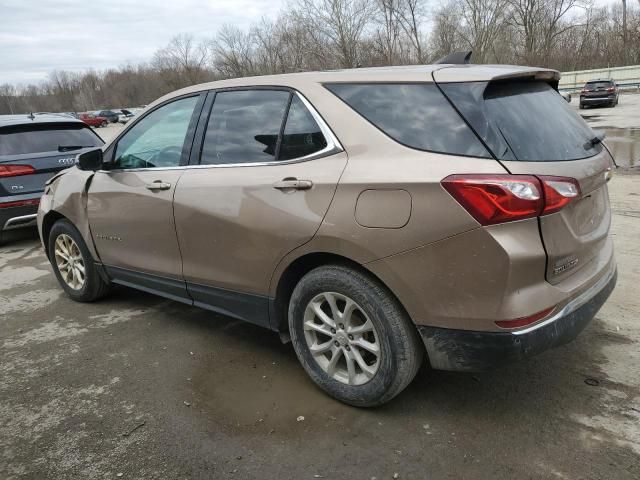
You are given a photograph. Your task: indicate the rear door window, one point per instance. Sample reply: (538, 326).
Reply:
(41, 138)
(415, 115)
(302, 135)
(244, 126)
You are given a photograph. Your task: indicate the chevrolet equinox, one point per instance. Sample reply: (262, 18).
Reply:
(373, 217)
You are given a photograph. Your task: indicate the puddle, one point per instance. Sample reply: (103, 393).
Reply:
(624, 144)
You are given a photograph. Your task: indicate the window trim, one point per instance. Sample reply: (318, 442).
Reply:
(333, 144)
(446, 99)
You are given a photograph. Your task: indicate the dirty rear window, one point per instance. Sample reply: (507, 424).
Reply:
(39, 138)
(416, 115)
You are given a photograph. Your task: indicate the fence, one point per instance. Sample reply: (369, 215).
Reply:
(625, 77)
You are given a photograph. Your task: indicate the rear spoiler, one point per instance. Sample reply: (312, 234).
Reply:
(455, 73)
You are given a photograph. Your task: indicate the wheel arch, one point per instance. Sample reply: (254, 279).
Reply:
(50, 218)
(295, 270)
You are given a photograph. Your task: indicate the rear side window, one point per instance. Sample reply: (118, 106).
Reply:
(416, 115)
(41, 138)
(302, 135)
(244, 126)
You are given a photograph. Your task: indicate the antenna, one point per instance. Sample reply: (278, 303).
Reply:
(456, 58)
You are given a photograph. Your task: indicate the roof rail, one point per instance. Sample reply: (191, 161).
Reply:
(456, 58)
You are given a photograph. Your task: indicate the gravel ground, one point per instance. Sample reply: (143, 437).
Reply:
(136, 386)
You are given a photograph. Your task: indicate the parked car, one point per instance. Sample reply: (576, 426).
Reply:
(125, 115)
(32, 149)
(357, 213)
(93, 120)
(111, 115)
(599, 92)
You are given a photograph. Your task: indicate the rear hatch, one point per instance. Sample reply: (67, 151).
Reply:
(531, 130)
(32, 153)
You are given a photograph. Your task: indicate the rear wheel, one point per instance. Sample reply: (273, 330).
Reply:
(72, 264)
(352, 337)
(104, 123)
(581, 106)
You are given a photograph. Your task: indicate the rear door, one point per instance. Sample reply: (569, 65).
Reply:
(262, 188)
(31, 154)
(533, 131)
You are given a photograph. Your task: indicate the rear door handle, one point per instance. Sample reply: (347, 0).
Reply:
(158, 185)
(293, 184)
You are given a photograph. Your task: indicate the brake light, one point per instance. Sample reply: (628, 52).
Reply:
(21, 203)
(493, 199)
(524, 321)
(610, 89)
(15, 170)
(558, 192)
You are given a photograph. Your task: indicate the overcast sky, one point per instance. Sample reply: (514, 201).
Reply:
(39, 36)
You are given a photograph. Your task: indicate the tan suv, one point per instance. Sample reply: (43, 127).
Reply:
(371, 216)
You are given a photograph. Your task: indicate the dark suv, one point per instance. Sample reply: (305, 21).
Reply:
(599, 92)
(110, 115)
(32, 149)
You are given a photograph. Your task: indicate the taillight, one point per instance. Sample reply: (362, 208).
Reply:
(558, 192)
(524, 321)
(15, 170)
(610, 89)
(21, 203)
(492, 199)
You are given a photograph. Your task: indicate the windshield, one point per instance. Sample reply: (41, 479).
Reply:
(526, 121)
(45, 138)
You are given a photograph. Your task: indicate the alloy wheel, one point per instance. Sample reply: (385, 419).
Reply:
(69, 262)
(341, 338)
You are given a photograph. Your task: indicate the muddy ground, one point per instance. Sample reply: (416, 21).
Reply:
(136, 387)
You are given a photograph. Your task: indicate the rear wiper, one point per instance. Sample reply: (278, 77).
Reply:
(67, 148)
(599, 138)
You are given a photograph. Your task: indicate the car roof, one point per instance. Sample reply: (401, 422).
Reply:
(36, 118)
(407, 73)
(600, 80)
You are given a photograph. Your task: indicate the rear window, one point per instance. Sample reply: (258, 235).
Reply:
(525, 121)
(416, 115)
(39, 138)
(594, 85)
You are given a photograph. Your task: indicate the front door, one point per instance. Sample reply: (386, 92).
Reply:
(130, 205)
(269, 169)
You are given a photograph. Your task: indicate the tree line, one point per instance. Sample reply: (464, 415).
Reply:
(328, 34)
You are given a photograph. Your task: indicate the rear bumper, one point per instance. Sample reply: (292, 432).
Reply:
(18, 217)
(597, 100)
(463, 350)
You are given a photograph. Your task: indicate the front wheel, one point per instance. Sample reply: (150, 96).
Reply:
(352, 337)
(104, 124)
(72, 264)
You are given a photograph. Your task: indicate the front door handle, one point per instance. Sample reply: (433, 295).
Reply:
(158, 185)
(289, 184)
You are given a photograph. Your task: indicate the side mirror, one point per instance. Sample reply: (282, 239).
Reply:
(90, 161)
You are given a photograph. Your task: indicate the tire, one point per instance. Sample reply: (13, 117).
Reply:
(93, 286)
(581, 106)
(400, 350)
(104, 124)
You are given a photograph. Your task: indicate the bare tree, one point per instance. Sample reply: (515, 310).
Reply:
(339, 22)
